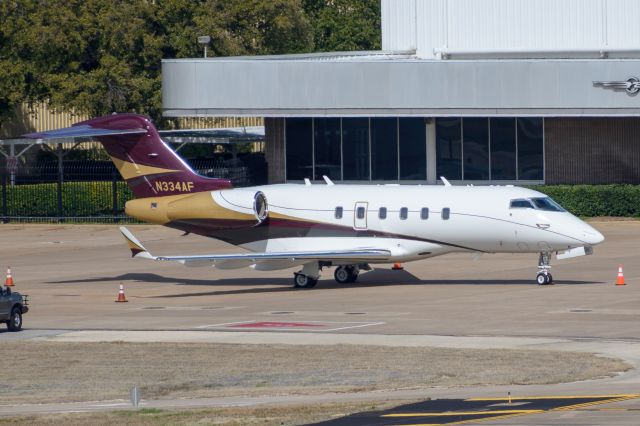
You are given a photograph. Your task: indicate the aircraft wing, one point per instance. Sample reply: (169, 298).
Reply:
(260, 261)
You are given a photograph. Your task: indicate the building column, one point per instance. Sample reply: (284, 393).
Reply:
(432, 177)
(274, 152)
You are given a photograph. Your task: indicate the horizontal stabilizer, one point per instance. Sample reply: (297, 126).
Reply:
(83, 131)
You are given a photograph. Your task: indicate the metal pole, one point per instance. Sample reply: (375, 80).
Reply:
(114, 190)
(12, 154)
(205, 50)
(5, 218)
(60, 177)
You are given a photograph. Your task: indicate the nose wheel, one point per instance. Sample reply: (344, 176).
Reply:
(544, 277)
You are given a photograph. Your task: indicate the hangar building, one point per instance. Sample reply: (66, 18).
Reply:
(492, 91)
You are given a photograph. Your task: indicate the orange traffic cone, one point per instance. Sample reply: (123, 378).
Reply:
(9, 281)
(397, 267)
(620, 279)
(121, 297)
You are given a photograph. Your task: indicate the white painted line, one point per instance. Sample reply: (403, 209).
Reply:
(355, 326)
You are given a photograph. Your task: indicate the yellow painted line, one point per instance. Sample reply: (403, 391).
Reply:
(592, 403)
(522, 398)
(484, 419)
(463, 413)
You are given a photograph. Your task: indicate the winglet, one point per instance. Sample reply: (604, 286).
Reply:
(137, 249)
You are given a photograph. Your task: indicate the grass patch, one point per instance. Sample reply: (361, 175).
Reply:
(63, 372)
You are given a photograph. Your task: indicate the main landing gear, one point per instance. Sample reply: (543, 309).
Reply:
(346, 274)
(308, 276)
(544, 277)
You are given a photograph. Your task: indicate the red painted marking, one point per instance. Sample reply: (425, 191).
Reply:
(276, 325)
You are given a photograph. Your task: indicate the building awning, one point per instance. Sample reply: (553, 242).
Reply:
(397, 84)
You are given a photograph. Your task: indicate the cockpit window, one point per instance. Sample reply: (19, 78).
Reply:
(521, 204)
(540, 203)
(546, 203)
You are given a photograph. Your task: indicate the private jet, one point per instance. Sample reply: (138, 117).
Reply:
(315, 226)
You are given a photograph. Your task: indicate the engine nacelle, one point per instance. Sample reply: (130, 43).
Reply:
(223, 209)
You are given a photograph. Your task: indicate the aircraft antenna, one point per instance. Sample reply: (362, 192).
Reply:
(445, 181)
(329, 181)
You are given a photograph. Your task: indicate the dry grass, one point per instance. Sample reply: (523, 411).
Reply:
(62, 372)
(284, 415)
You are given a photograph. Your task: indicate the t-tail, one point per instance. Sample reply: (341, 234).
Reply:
(145, 161)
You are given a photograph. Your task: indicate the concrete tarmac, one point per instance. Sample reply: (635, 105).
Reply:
(72, 274)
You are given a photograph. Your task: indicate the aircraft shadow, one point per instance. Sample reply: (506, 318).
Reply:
(376, 278)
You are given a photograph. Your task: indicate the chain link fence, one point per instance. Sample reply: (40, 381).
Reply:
(93, 191)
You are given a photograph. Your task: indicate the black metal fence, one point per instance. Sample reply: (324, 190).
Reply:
(93, 191)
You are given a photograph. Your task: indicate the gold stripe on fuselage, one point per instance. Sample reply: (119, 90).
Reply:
(130, 170)
(162, 210)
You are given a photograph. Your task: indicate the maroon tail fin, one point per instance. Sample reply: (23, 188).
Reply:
(144, 160)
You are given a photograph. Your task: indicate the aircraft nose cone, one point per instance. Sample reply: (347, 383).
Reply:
(591, 236)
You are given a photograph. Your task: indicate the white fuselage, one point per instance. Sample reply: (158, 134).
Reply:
(479, 219)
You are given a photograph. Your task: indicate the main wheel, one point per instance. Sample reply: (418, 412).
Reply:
(15, 321)
(353, 273)
(303, 281)
(541, 278)
(342, 275)
(549, 279)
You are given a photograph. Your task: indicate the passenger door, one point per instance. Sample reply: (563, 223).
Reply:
(360, 215)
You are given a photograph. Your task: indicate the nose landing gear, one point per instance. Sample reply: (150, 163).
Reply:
(544, 277)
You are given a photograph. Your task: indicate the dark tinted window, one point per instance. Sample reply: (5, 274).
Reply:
(424, 213)
(449, 148)
(521, 204)
(299, 149)
(446, 212)
(338, 213)
(475, 135)
(360, 213)
(326, 142)
(547, 204)
(413, 148)
(404, 213)
(384, 148)
(530, 149)
(503, 148)
(355, 148)
(382, 213)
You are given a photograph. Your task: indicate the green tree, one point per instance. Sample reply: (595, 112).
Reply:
(344, 25)
(101, 56)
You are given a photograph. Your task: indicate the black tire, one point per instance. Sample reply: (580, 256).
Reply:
(549, 279)
(541, 279)
(303, 281)
(15, 321)
(342, 275)
(353, 274)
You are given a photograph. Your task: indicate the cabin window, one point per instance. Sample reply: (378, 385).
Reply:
(424, 213)
(446, 212)
(521, 204)
(382, 213)
(360, 213)
(338, 213)
(404, 213)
